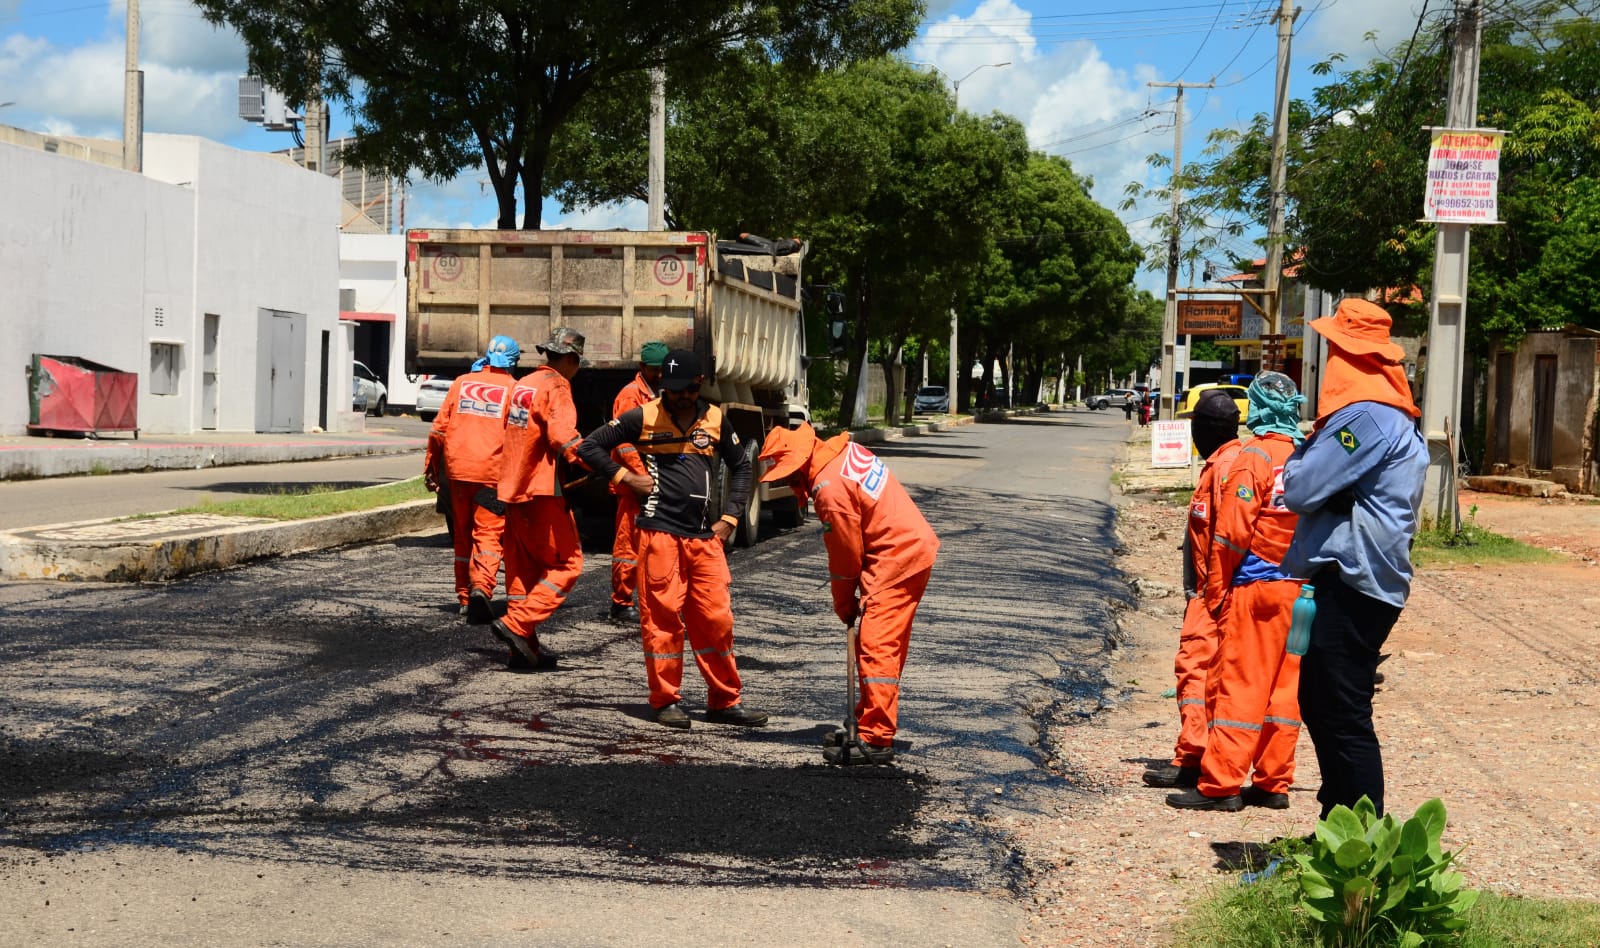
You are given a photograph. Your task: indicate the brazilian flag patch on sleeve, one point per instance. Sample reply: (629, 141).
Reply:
(1245, 493)
(1347, 440)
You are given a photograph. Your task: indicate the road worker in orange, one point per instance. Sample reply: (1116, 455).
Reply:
(880, 554)
(543, 556)
(625, 541)
(1214, 424)
(683, 570)
(1253, 683)
(467, 435)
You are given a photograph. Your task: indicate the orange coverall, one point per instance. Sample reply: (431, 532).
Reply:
(1252, 686)
(1197, 642)
(471, 427)
(543, 555)
(880, 545)
(625, 542)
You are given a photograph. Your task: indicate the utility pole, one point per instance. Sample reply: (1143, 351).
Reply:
(1272, 279)
(1169, 322)
(316, 119)
(133, 97)
(658, 148)
(1447, 314)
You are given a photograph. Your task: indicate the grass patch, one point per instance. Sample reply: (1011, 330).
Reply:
(1267, 915)
(318, 501)
(1473, 546)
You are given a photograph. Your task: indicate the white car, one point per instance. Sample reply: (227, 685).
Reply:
(430, 397)
(367, 382)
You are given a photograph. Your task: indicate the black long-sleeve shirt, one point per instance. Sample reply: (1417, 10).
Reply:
(682, 463)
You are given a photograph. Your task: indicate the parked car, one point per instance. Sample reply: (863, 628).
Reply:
(358, 396)
(430, 397)
(1110, 398)
(372, 387)
(931, 398)
(1236, 392)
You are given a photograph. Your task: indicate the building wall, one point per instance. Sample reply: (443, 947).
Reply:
(85, 252)
(104, 264)
(374, 267)
(1574, 408)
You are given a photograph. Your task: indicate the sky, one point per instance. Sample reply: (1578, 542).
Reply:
(1078, 78)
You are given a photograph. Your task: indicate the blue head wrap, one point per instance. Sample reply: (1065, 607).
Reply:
(1275, 405)
(503, 352)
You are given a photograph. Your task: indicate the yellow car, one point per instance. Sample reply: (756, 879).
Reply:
(1237, 392)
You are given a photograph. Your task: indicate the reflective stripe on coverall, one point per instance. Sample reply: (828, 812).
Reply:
(684, 593)
(470, 426)
(878, 543)
(543, 555)
(625, 540)
(1252, 686)
(1197, 642)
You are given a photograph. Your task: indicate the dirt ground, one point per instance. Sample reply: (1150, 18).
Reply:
(1489, 703)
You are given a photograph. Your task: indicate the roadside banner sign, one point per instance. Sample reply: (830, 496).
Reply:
(1463, 176)
(1170, 443)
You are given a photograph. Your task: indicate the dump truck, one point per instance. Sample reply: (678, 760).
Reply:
(736, 305)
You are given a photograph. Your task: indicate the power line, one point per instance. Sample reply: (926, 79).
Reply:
(1198, 49)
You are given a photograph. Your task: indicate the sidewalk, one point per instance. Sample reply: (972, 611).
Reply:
(30, 456)
(157, 547)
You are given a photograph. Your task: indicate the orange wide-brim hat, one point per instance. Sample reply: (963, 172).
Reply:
(788, 449)
(1360, 327)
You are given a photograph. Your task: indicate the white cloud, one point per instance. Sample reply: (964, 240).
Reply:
(1340, 27)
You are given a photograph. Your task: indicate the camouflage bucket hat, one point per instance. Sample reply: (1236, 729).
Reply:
(564, 340)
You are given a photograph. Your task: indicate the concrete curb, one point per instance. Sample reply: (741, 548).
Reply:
(25, 555)
(879, 435)
(107, 457)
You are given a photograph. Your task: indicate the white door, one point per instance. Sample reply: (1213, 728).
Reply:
(286, 371)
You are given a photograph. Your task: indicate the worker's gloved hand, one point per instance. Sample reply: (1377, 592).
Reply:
(430, 482)
(487, 498)
(1342, 502)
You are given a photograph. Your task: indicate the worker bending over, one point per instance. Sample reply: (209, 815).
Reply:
(880, 554)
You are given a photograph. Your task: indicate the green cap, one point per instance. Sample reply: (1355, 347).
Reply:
(653, 353)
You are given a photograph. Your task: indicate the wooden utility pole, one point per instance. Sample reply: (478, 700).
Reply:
(1169, 322)
(1272, 280)
(658, 149)
(1447, 314)
(133, 97)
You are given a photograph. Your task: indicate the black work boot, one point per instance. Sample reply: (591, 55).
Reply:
(672, 716)
(859, 753)
(548, 661)
(1193, 799)
(1254, 796)
(1171, 776)
(623, 613)
(738, 714)
(527, 648)
(479, 609)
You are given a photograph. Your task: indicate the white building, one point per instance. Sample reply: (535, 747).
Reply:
(214, 276)
(372, 295)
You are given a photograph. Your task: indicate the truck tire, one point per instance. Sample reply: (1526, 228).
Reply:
(787, 513)
(749, 529)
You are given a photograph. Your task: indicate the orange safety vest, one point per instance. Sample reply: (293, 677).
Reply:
(471, 426)
(541, 428)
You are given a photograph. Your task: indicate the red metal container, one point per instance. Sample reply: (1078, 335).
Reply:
(69, 394)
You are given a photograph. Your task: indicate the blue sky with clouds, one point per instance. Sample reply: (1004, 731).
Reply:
(1078, 78)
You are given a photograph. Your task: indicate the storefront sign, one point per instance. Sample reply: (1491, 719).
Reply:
(1210, 317)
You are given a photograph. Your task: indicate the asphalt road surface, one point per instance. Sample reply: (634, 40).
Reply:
(315, 750)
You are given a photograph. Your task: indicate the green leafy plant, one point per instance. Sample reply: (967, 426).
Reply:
(1372, 881)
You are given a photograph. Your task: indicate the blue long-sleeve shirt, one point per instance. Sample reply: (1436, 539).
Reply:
(1371, 455)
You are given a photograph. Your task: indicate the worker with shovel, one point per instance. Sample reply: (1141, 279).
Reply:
(880, 553)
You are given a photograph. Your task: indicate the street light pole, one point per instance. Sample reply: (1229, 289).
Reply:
(955, 363)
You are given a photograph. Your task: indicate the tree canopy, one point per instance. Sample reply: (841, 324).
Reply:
(439, 87)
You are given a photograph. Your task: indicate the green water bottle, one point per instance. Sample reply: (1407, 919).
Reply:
(1305, 609)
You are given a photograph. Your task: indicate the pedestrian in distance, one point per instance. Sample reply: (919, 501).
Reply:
(1357, 485)
(625, 538)
(683, 568)
(1129, 404)
(1214, 426)
(543, 555)
(1252, 683)
(880, 554)
(466, 442)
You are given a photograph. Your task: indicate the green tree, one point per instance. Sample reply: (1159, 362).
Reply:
(439, 87)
